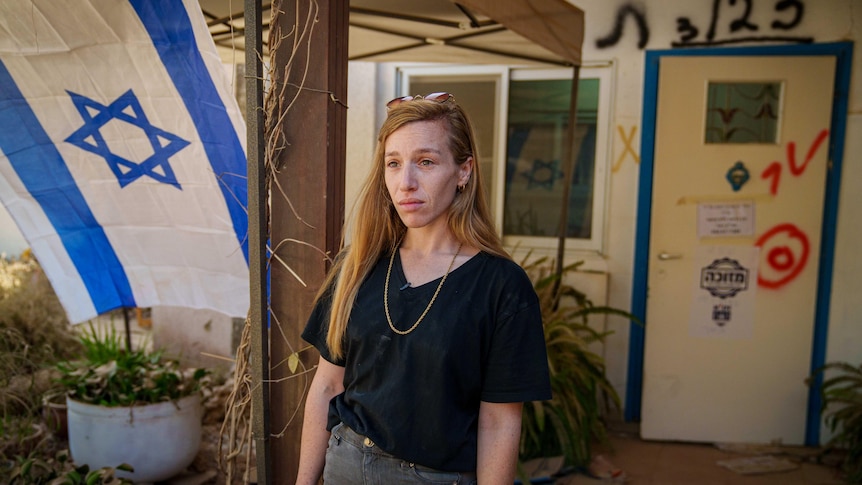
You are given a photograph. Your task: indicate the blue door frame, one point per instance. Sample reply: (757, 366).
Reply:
(843, 51)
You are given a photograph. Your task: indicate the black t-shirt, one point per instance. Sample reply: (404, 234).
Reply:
(417, 395)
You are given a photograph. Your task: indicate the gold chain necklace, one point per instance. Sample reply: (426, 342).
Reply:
(386, 293)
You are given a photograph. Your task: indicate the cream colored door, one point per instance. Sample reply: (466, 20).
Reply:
(709, 377)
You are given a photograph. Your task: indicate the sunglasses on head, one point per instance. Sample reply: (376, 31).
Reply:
(438, 97)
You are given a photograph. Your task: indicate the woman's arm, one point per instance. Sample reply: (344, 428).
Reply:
(499, 435)
(328, 382)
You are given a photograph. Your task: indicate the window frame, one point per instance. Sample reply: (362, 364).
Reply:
(503, 76)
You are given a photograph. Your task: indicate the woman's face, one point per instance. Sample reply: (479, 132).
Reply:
(421, 174)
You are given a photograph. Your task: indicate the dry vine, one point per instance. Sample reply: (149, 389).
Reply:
(237, 426)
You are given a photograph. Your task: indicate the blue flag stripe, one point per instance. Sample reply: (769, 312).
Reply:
(170, 28)
(44, 173)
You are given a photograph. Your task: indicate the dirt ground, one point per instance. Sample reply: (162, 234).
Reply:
(205, 469)
(209, 466)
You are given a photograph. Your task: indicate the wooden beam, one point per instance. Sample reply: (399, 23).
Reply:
(306, 138)
(258, 235)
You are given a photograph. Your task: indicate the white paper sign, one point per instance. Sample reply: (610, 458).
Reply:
(725, 219)
(725, 291)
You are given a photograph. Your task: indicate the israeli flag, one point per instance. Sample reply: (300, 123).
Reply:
(122, 155)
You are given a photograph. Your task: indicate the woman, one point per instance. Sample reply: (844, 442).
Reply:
(430, 335)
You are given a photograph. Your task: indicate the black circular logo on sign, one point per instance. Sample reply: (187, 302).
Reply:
(724, 278)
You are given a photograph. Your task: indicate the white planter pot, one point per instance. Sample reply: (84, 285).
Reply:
(158, 440)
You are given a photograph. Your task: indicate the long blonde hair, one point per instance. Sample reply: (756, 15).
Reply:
(378, 228)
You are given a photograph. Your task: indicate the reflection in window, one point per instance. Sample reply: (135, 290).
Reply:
(538, 119)
(742, 112)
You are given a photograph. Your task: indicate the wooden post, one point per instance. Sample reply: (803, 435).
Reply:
(258, 235)
(306, 139)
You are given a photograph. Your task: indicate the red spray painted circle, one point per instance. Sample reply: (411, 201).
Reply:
(782, 258)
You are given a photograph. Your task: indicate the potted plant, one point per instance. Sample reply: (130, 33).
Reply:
(841, 394)
(572, 420)
(133, 407)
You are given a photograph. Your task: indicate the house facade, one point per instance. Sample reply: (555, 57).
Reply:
(732, 240)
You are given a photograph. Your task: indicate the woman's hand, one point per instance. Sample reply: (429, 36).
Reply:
(328, 382)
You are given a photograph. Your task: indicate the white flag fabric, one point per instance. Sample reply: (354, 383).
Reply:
(122, 155)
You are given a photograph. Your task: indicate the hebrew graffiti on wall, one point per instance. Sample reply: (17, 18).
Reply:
(785, 247)
(729, 22)
(616, 34)
(726, 13)
(773, 171)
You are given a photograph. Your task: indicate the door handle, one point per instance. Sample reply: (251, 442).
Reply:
(663, 256)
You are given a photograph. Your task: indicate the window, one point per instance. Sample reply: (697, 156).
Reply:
(536, 158)
(521, 118)
(742, 112)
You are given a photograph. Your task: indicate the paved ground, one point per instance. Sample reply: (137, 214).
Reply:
(665, 463)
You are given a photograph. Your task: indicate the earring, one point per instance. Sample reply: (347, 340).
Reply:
(460, 189)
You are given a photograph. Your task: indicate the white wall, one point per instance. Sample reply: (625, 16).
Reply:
(845, 319)
(199, 338)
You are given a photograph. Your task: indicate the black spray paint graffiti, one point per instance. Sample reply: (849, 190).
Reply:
(615, 36)
(788, 15)
(689, 32)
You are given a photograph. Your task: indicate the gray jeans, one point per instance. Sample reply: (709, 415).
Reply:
(354, 459)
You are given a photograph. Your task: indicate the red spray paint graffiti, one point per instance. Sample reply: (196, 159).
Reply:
(786, 248)
(791, 153)
(773, 171)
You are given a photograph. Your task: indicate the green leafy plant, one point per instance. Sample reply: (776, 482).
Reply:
(60, 470)
(111, 375)
(573, 419)
(842, 405)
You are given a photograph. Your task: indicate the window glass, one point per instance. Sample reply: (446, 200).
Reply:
(476, 96)
(521, 118)
(742, 112)
(538, 118)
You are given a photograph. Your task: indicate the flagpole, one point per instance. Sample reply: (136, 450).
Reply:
(128, 329)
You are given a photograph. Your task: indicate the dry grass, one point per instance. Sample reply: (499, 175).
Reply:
(34, 335)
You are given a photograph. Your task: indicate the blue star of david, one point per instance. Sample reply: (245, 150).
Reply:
(126, 109)
(543, 174)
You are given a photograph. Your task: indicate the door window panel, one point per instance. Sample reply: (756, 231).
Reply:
(742, 112)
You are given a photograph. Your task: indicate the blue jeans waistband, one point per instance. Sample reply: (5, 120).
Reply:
(344, 433)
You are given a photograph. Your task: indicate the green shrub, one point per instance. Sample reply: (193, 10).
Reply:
(842, 405)
(573, 419)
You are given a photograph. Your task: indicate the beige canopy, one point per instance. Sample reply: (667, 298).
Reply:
(462, 32)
